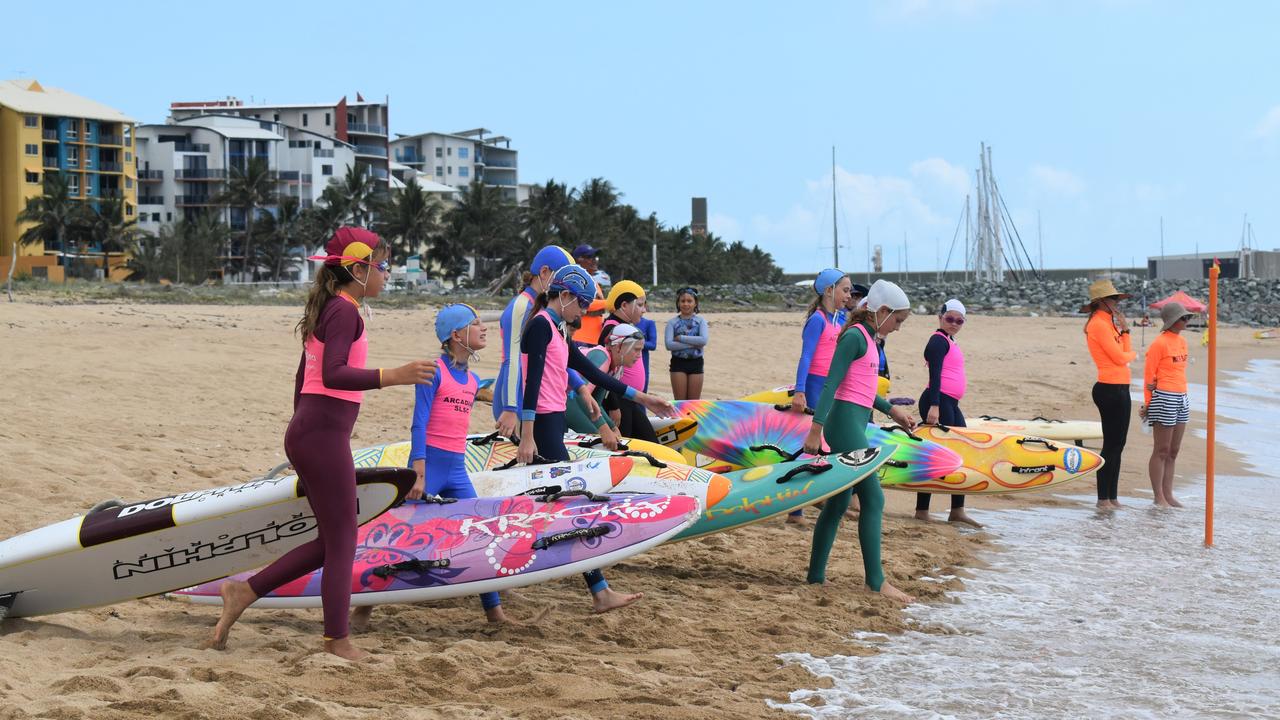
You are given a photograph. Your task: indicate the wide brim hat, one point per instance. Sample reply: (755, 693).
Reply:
(1102, 289)
(1172, 312)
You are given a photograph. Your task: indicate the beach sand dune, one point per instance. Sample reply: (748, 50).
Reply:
(139, 401)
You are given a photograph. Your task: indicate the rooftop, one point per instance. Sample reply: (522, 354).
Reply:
(29, 96)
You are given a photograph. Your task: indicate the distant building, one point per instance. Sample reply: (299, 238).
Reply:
(1233, 264)
(361, 124)
(44, 129)
(460, 158)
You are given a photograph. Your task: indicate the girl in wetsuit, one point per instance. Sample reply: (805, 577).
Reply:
(1111, 347)
(1167, 409)
(328, 390)
(822, 323)
(940, 401)
(547, 356)
(627, 304)
(686, 338)
(508, 387)
(842, 416)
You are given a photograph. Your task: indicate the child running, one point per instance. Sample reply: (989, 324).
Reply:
(627, 305)
(327, 393)
(686, 337)
(1111, 347)
(1167, 409)
(940, 401)
(508, 387)
(547, 356)
(842, 416)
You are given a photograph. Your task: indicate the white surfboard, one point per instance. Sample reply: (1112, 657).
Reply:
(1063, 430)
(155, 546)
(597, 475)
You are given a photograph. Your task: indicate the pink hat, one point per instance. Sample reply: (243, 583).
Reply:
(348, 245)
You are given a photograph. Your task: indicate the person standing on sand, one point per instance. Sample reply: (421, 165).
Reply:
(1111, 347)
(627, 305)
(686, 337)
(327, 394)
(1166, 408)
(842, 416)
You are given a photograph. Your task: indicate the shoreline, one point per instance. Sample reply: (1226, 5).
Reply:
(137, 400)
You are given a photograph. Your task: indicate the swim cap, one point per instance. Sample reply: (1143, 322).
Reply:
(886, 294)
(552, 256)
(572, 278)
(952, 305)
(621, 288)
(453, 317)
(623, 332)
(826, 279)
(348, 245)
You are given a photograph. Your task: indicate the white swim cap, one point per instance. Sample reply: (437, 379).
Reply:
(952, 305)
(886, 294)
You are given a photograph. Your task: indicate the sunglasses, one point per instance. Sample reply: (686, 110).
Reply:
(617, 339)
(584, 304)
(953, 320)
(687, 291)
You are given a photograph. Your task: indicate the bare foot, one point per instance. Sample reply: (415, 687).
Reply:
(496, 614)
(343, 648)
(1116, 504)
(798, 520)
(894, 593)
(1161, 504)
(851, 514)
(1105, 505)
(236, 596)
(923, 516)
(360, 618)
(610, 599)
(1173, 502)
(962, 517)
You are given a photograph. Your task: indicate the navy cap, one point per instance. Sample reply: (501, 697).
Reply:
(585, 250)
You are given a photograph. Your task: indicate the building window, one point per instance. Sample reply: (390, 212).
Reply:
(33, 178)
(276, 117)
(168, 217)
(462, 172)
(128, 210)
(128, 182)
(326, 119)
(31, 121)
(450, 169)
(155, 217)
(33, 150)
(326, 169)
(73, 187)
(439, 153)
(440, 170)
(449, 152)
(462, 153)
(304, 119)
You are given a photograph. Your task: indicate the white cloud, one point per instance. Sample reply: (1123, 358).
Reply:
(1056, 180)
(1269, 126)
(943, 173)
(724, 227)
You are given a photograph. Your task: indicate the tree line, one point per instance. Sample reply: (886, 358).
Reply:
(481, 224)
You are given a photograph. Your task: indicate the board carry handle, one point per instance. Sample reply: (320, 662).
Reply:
(815, 468)
(6, 604)
(896, 463)
(995, 418)
(904, 431)
(655, 462)
(1042, 418)
(410, 566)
(543, 543)
(787, 408)
(537, 460)
(277, 470)
(491, 437)
(542, 490)
(552, 497)
(600, 441)
(437, 500)
(788, 456)
(1036, 441)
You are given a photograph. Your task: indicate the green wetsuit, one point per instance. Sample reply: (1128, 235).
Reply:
(844, 426)
(575, 414)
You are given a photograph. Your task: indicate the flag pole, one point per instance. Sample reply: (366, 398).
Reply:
(1214, 271)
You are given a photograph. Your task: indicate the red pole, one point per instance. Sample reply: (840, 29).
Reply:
(1212, 409)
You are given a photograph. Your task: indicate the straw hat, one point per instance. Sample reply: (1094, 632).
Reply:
(1172, 313)
(1102, 289)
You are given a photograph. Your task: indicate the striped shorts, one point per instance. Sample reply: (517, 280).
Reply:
(1168, 408)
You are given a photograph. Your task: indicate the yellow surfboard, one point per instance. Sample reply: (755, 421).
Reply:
(1001, 463)
(782, 395)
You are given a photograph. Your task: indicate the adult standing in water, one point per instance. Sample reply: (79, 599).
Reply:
(1111, 347)
(940, 401)
(842, 416)
(327, 393)
(1167, 408)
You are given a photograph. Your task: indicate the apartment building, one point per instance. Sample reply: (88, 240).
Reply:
(460, 158)
(43, 130)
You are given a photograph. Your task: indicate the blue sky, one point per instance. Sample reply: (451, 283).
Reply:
(1104, 115)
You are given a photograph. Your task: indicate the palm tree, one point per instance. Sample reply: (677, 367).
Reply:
(109, 227)
(250, 187)
(482, 225)
(547, 217)
(146, 257)
(358, 191)
(413, 219)
(57, 216)
(288, 221)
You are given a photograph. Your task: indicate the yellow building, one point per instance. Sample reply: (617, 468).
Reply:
(44, 129)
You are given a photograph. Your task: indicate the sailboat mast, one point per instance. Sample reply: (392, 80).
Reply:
(835, 231)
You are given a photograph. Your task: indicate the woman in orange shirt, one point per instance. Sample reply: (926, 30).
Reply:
(1111, 348)
(1167, 409)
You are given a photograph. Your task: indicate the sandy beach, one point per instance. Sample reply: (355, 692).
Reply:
(138, 401)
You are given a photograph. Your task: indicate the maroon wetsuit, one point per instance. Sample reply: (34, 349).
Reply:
(318, 443)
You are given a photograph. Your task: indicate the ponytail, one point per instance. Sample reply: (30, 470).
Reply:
(813, 307)
(328, 281)
(861, 315)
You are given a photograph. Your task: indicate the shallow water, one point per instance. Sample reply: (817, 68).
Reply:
(1086, 615)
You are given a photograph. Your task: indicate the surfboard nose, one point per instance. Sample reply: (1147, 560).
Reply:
(619, 469)
(717, 489)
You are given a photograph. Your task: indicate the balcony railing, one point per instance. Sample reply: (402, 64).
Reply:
(366, 129)
(374, 150)
(193, 200)
(110, 194)
(191, 147)
(73, 162)
(110, 167)
(150, 199)
(324, 152)
(408, 157)
(50, 134)
(499, 181)
(500, 163)
(200, 174)
(293, 176)
(150, 175)
(110, 140)
(50, 162)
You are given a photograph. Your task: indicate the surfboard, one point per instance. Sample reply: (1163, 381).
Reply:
(1002, 463)
(430, 551)
(484, 391)
(1267, 334)
(783, 395)
(1068, 430)
(654, 450)
(674, 432)
(154, 546)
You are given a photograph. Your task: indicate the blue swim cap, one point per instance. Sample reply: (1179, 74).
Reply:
(826, 279)
(552, 256)
(575, 280)
(453, 317)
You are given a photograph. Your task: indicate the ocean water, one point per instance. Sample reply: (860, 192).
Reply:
(1081, 615)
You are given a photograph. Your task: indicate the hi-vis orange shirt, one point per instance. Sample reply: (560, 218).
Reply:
(1112, 351)
(1166, 365)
